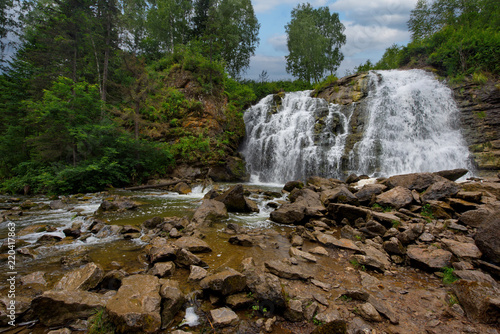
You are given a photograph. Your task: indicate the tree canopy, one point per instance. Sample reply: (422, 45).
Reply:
(314, 40)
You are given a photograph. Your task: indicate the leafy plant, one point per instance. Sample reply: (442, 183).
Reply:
(426, 211)
(448, 275)
(99, 323)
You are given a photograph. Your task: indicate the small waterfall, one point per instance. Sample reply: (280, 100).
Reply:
(412, 126)
(409, 123)
(294, 137)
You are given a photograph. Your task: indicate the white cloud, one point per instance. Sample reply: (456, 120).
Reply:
(261, 6)
(275, 67)
(278, 42)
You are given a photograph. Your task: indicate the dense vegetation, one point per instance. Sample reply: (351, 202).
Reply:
(458, 38)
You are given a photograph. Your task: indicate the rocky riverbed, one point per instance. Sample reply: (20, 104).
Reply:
(416, 253)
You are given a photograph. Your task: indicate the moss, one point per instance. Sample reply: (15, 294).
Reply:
(334, 327)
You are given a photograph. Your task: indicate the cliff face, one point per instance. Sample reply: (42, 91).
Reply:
(480, 119)
(479, 106)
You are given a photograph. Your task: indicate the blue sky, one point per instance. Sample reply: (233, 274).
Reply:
(371, 27)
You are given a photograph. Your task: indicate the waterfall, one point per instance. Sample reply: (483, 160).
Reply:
(411, 126)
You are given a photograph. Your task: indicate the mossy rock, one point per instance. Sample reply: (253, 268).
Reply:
(334, 327)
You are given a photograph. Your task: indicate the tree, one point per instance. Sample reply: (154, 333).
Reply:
(314, 40)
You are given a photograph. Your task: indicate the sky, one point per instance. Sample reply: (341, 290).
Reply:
(371, 27)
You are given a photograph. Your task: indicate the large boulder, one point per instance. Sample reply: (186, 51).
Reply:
(233, 199)
(226, 282)
(84, 278)
(58, 307)
(417, 181)
(331, 241)
(462, 249)
(209, 211)
(192, 244)
(488, 238)
(474, 218)
(480, 300)
(289, 213)
(429, 258)
(339, 195)
(365, 194)
(440, 190)
(397, 197)
(453, 174)
(136, 306)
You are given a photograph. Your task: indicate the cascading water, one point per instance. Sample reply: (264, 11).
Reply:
(411, 126)
(294, 137)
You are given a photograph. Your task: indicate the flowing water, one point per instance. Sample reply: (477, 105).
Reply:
(412, 126)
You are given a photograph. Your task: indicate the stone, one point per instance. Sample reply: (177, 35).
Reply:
(290, 185)
(318, 250)
(197, 273)
(137, 304)
(209, 211)
(325, 286)
(373, 258)
(340, 211)
(296, 240)
(487, 238)
(60, 331)
(310, 310)
(309, 199)
(460, 205)
(429, 258)
(453, 174)
(84, 278)
(172, 301)
(384, 308)
(58, 307)
(359, 326)
(474, 218)
(417, 181)
(294, 311)
(440, 190)
(36, 277)
(182, 188)
(233, 199)
(153, 223)
(462, 249)
(289, 213)
(280, 269)
(397, 198)
(112, 280)
(330, 241)
(239, 301)
(226, 282)
(241, 240)
(479, 300)
(365, 194)
(72, 232)
(192, 244)
(475, 275)
(357, 294)
(265, 287)
(162, 269)
(162, 253)
(394, 246)
(185, 258)
(302, 255)
(57, 205)
(374, 228)
(329, 315)
(369, 313)
(223, 316)
(339, 195)
(470, 196)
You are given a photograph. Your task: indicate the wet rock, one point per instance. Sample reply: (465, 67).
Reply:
(223, 316)
(239, 301)
(182, 188)
(417, 181)
(339, 195)
(234, 199)
(57, 205)
(197, 273)
(72, 232)
(479, 300)
(453, 174)
(397, 197)
(117, 204)
(36, 277)
(369, 313)
(210, 210)
(153, 223)
(346, 211)
(283, 270)
(462, 249)
(296, 240)
(251, 205)
(365, 194)
(302, 255)
(474, 218)
(192, 244)
(226, 282)
(185, 258)
(60, 331)
(241, 240)
(488, 238)
(440, 190)
(172, 301)
(84, 278)
(58, 307)
(48, 238)
(330, 241)
(112, 280)
(162, 253)
(130, 229)
(289, 213)
(309, 199)
(429, 258)
(163, 269)
(291, 185)
(109, 231)
(137, 304)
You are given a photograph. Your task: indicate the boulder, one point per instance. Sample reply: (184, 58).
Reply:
(339, 195)
(374, 228)
(241, 240)
(440, 190)
(210, 210)
(365, 194)
(330, 241)
(137, 304)
(384, 308)
(417, 181)
(172, 301)
(58, 307)
(162, 269)
(368, 312)
(182, 188)
(197, 273)
(289, 213)
(462, 249)
(84, 278)
(226, 282)
(346, 211)
(185, 258)
(474, 218)
(294, 312)
(291, 185)
(394, 246)
(192, 244)
(429, 258)
(223, 316)
(234, 200)
(479, 300)
(239, 301)
(453, 174)
(280, 269)
(460, 205)
(475, 275)
(162, 253)
(397, 198)
(36, 277)
(373, 258)
(487, 238)
(302, 255)
(153, 223)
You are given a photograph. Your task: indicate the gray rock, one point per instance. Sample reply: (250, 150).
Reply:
(294, 311)
(384, 309)
(474, 218)
(226, 282)
(185, 258)
(488, 238)
(368, 312)
(302, 255)
(475, 275)
(339, 195)
(283, 270)
(479, 300)
(397, 197)
(417, 181)
(36, 277)
(429, 258)
(162, 253)
(239, 301)
(137, 304)
(84, 278)
(462, 249)
(440, 190)
(162, 269)
(330, 241)
(233, 199)
(209, 211)
(223, 316)
(192, 244)
(197, 273)
(241, 240)
(172, 301)
(394, 246)
(359, 326)
(365, 194)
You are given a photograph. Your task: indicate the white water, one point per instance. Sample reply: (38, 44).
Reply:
(412, 126)
(304, 136)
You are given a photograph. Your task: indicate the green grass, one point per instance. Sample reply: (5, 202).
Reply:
(448, 275)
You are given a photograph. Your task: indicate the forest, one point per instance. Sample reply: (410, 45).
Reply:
(104, 93)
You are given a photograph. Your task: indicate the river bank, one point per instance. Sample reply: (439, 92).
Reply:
(365, 255)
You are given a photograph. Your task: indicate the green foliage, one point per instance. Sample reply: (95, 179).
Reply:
(99, 323)
(427, 211)
(314, 40)
(448, 275)
(330, 80)
(262, 89)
